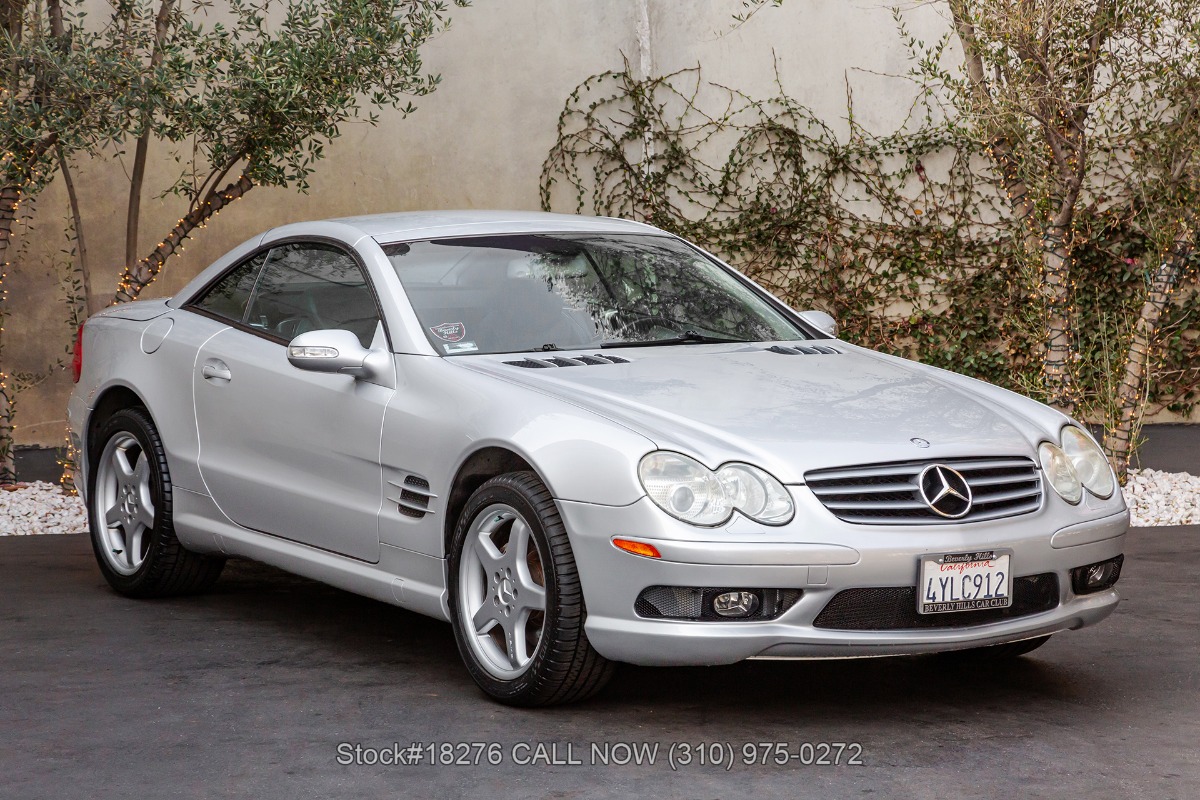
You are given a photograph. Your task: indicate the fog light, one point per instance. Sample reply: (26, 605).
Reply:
(735, 604)
(1096, 577)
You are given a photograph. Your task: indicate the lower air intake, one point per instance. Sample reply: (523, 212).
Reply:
(894, 608)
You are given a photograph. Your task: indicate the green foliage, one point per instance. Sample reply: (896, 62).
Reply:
(275, 83)
(60, 91)
(1110, 275)
(903, 238)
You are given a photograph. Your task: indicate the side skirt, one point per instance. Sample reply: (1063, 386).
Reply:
(401, 578)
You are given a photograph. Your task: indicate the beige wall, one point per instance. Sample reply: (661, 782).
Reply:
(478, 142)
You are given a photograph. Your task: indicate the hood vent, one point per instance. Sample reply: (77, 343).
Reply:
(562, 361)
(810, 350)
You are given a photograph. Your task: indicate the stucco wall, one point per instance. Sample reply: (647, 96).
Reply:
(478, 142)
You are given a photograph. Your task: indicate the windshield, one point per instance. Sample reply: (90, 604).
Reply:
(520, 293)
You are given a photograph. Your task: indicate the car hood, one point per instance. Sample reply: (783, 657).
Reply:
(787, 413)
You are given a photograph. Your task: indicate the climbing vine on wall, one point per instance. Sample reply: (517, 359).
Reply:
(902, 237)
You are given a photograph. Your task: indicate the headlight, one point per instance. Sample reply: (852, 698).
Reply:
(690, 491)
(684, 488)
(1060, 472)
(1089, 462)
(755, 493)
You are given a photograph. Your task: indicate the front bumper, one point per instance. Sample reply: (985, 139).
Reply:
(821, 563)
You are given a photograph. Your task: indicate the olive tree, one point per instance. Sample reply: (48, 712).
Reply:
(253, 101)
(61, 91)
(241, 94)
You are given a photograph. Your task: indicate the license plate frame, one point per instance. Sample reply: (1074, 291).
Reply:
(945, 580)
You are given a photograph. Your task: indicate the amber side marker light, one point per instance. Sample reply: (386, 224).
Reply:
(637, 548)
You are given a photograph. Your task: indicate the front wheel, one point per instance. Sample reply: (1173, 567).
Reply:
(130, 514)
(515, 598)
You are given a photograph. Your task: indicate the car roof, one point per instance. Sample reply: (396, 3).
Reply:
(423, 224)
(413, 225)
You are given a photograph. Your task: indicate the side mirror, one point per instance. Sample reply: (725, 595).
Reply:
(821, 321)
(337, 351)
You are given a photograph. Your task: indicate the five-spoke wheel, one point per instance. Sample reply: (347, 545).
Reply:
(503, 587)
(124, 499)
(129, 508)
(515, 597)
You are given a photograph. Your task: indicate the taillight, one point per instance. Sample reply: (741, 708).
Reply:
(77, 357)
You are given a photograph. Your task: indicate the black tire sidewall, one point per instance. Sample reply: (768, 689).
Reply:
(141, 428)
(499, 490)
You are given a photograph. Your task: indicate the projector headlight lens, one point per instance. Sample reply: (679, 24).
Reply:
(756, 493)
(684, 488)
(690, 491)
(1060, 472)
(1089, 462)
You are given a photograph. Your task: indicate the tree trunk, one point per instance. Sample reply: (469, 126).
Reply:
(8, 467)
(1056, 289)
(1000, 149)
(1131, 394)
(10, 199)
(133, 211)
(139, 276)
(81, 254)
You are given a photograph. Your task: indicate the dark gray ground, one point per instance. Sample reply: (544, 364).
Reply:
(250, 689)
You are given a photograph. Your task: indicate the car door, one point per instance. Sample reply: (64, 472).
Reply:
(284, 451)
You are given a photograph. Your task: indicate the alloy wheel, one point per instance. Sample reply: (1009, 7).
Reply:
(502, 591)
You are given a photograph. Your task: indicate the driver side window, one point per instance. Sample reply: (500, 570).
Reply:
(307, 286)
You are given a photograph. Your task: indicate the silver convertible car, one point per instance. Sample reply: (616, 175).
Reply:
(581, 441)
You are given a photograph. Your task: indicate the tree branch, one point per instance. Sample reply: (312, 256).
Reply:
(139, 276)
(133, 211)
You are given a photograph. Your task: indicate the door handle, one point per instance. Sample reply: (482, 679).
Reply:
(216, 370)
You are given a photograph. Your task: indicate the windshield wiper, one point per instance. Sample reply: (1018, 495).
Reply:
(687, 337)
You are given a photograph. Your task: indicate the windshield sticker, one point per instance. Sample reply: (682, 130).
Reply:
(450, 331)
(460, 347)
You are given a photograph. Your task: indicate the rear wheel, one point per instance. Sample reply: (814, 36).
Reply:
(130, 514)
(515, 598)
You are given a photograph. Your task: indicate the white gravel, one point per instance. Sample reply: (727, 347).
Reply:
(1154, 498)
(1162, 498)
(31, 508)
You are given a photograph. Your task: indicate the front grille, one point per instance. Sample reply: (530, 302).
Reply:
(894, 608)
(695, 603)
(888, 494)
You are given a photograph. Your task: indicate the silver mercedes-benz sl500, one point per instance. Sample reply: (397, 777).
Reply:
(581, 441)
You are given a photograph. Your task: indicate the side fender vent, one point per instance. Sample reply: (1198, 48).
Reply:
(414, 498)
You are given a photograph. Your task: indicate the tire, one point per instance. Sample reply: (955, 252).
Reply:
(995, 653)
(512, 569)
(129, 514)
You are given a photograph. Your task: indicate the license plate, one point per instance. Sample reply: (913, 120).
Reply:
(964, 582)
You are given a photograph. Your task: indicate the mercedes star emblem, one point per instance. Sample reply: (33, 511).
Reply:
(945, 491)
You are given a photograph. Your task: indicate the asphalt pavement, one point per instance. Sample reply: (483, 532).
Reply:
(261, 687)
